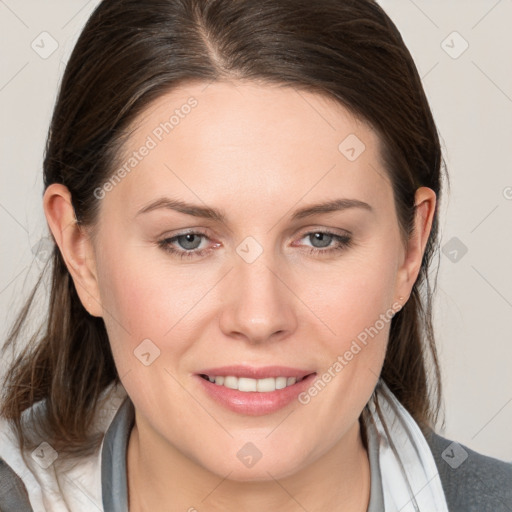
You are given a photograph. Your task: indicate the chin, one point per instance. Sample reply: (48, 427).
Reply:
(243, 467)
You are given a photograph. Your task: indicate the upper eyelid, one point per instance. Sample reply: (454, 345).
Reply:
(304, 231)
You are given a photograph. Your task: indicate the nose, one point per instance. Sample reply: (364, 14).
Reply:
(259, 304)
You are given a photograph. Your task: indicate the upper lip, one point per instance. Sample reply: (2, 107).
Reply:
(256, 373)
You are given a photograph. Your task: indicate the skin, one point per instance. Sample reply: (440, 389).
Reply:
(258, 153)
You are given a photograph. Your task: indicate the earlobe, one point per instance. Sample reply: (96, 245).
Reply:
(74, 244)
(425, 206)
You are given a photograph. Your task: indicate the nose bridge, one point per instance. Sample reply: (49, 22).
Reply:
(259, 304)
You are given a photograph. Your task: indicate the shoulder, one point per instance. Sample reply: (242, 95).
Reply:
(13, 493)
(41, 478)
(471, 481)
(14, 474)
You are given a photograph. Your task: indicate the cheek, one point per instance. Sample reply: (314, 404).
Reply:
(353, 296)
(136, 302)
(357, 305)
(357, 308)
(146, 297)
(141, 292)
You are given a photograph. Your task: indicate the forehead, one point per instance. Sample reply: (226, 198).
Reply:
(243, 144)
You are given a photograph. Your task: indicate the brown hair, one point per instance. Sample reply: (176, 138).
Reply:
(129, 54)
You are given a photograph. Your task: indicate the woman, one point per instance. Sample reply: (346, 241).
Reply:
(243, 198)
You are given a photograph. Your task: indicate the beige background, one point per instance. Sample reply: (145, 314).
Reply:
(470, 90)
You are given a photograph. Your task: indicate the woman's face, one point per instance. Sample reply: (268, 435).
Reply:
(261, 287)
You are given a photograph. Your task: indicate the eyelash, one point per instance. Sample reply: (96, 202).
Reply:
(343, 241)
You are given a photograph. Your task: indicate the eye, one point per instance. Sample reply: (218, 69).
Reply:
(189, 243)
(186, 245)
(323, 239)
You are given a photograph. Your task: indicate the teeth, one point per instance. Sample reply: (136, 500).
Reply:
(281, 382)
(230, 382)
(247, 385)
(290, 381)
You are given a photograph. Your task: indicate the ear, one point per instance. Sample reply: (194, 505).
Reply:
(74, 244)
(425, 204)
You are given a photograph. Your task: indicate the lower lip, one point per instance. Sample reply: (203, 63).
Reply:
(254, 403)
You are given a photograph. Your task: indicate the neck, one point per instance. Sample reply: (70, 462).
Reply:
(160, 476)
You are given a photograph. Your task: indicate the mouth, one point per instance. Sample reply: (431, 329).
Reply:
(248, 385)
(254, 391)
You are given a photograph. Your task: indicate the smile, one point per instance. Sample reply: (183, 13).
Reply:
(246, 384)
(254, 391)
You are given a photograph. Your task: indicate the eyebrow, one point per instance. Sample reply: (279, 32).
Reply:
(215, 214)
